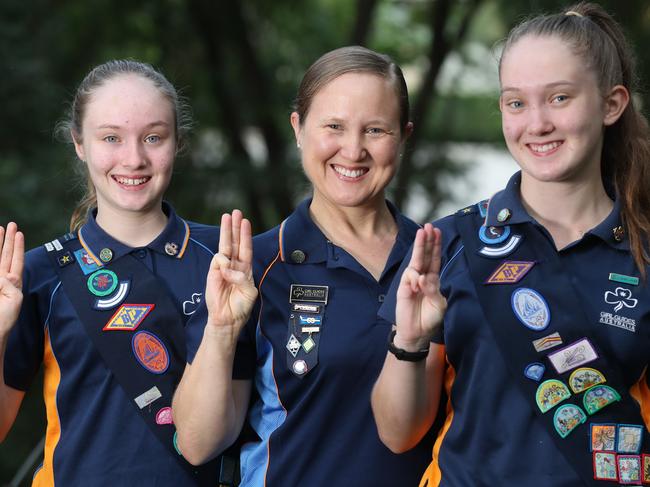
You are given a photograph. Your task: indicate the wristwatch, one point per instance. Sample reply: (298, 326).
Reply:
(401, 354)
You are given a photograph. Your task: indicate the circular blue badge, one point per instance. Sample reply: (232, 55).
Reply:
(493, 235)
(531, 308)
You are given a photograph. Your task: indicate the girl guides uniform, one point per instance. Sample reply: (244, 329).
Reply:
(313, 348)
(547, 353)
(106, 321)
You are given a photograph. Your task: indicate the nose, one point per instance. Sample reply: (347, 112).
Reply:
(134, 155)
(352, 147)
(539, 121)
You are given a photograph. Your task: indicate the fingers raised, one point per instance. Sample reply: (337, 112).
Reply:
(225, 235)
(7, 239)
(236, 219)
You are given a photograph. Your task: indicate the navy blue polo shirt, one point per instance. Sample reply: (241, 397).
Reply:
(315, 425)
(491, 435)
(95, 436)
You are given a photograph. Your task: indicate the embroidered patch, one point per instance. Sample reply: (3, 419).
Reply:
(147, 397)
(620, 297)
(293, 345)
(602, 437)
(190, 306)
(550, 393)
(629, 469)
(164, 416)
(583, 378)
(311, 294)
(65, 259)
(535, 371)
(531, 308)
(598, 397)
(150, 352)
(128, 317)
(483, 208)
(502, 251)
(175, 442)
(493, 235)
(574, 355)
(116, 298)
(645, 470)
(510, 272)
(85, 261)
(605, 466)
(613, 276)
(549, 341)
(102, 282)
(567, 418)
(629, 438)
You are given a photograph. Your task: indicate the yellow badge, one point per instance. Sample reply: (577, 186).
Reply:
(128, 317)
(509, 272)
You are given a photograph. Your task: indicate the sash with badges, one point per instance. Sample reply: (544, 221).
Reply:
(137, 330)
(543, 334)
(307, 313)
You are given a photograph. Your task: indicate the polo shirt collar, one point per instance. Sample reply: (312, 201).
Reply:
(171, 242)
(610, 230)
(300, 237)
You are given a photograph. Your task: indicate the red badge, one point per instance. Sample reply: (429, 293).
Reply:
(164, 416)
(150, 352)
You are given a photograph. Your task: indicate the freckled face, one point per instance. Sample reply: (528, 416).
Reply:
(553, 113)
(128, 142)
(350, 139)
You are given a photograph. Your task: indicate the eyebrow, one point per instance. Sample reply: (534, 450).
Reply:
(148, 126)
(555, 84)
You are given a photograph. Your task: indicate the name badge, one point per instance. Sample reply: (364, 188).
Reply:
(311, 294)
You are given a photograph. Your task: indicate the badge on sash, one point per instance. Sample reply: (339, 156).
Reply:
(645, 472)
(629, 469)
(510, 272)
(598, 397)
(574, 355)
(102, 282)
(629, 438)
(567, 418)
(116, 298)
(583, 378)
(602, 437)
(128, 317)
(605, 466)
(164, 416)
(550, 393)
(535, 371)
(150, 352)
(506, 249)
(549, 341)
(530, 308)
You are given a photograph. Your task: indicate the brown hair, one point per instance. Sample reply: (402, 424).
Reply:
(599, 40)
(71, 125)
(351, 59)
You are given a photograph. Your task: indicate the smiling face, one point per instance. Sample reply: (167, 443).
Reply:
(553, 112)
(128, 143)
(350, 140)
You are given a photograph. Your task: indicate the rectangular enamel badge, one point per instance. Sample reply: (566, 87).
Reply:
(574, 355)
(311, 294)
(147, 397)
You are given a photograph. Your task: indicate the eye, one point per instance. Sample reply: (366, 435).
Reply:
(111, 139)
(560, 98)
(515, 104)
(334, 126)
(375, 131)
(152, 139)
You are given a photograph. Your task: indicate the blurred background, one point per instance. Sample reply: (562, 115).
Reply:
(239, 64)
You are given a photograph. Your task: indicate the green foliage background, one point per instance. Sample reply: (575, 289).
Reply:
(239, 64)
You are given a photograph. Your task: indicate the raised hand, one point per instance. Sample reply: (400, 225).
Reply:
(420, 305)
(12, 258)
(230, 291)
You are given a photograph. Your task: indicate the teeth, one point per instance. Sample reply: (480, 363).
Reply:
(544, 147)
(130, 181)
(349, 173)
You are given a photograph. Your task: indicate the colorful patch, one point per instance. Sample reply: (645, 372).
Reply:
(605, 466)
(549, 341)
(613, 276)
(147, 397)
(293, 345)
(310, 320)
(620, 297)
(531, 308)
(629, 469)
(164, 416)
(128, 317)
(645, 472)
(102, 282)
(65, 259)
(116, 298)
(629, 438)
(106, 255)
(85, 261)
(483, 207)
(567, 418)
(598, 397)
(583, 378)
(574, 355)
(602, 437)
(535, 371)
(175, 442)
(312, 294)
(510, 272)
(550, 393)
(150, 352)
(493, 235)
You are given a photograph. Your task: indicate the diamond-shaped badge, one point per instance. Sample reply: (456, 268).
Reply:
(293, 345)
(308, 344)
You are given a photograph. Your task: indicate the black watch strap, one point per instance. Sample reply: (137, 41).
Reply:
(401, 354)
